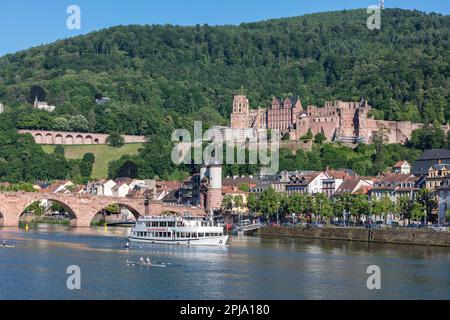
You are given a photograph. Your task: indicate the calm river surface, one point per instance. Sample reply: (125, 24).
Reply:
(249, 268)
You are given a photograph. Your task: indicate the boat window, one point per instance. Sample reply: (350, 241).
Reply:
(201, 234)
(194, 235)
(163, 224)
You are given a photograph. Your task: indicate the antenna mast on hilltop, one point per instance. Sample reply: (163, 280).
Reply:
(381, 4)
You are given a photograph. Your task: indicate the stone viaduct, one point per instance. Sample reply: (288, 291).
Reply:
(81, 208)
(75, 138)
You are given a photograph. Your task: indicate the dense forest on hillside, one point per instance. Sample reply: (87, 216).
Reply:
(158, 73)
(164, 77)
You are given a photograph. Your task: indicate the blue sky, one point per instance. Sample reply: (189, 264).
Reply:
(26, 23)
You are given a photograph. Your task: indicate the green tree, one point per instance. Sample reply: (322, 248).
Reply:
(59, 151)
(382, 207)
(320, 138)
(78, 123)
(227, 203)
(286, 136)
(252, 203)
(89, 157)
(428, 137)
(418, 211)
(425, 198)
(61, 124)
(269, 202)
(403, 208)
(321, 207)
(308, 136)
(238, 202)
(379, 140)
(360, 206)
(115, 140)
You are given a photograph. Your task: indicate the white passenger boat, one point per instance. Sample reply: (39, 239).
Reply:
(184, 230)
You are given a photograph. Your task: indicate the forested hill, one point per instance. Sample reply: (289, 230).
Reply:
(160, 77)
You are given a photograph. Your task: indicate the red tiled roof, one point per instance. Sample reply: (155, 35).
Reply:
(338, 174)
(229, 189)
(363, 190)
(168, 185)
(398, 164)
(393, 178)
(347, 186)
(56, 185)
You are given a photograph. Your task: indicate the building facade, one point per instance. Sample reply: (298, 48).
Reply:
(42, 105)
(444, 201)
(394, 186)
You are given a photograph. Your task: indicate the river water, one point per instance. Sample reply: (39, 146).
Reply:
(249, 268)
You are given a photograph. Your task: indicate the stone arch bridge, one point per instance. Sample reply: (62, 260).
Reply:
(82, 208)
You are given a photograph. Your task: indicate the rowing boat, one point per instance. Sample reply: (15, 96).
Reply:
(7, 246)
(145, 264)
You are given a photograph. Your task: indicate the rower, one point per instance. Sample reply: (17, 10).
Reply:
(4, 243)
(141, 260)
(148, 260)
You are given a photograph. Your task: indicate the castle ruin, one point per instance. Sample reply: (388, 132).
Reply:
(347, 122)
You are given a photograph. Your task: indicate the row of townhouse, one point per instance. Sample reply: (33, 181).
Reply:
(120, 188)
(333, 183)
(312, 182)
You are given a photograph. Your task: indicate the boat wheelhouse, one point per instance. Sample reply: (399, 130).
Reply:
(184, 230)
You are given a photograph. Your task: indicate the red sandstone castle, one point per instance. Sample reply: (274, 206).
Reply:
(338, 120)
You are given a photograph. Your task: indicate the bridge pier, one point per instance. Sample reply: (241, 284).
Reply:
(83, 222)
(10, 221)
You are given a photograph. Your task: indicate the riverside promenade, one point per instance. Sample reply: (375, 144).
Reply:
(394, 235)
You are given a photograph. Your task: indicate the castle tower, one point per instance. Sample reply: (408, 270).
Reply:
(239, 117)
(214, 201)
(211, 190)
(362, 129)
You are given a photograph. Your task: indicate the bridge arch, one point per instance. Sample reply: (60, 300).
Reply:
(48, 201)
(135, 212)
